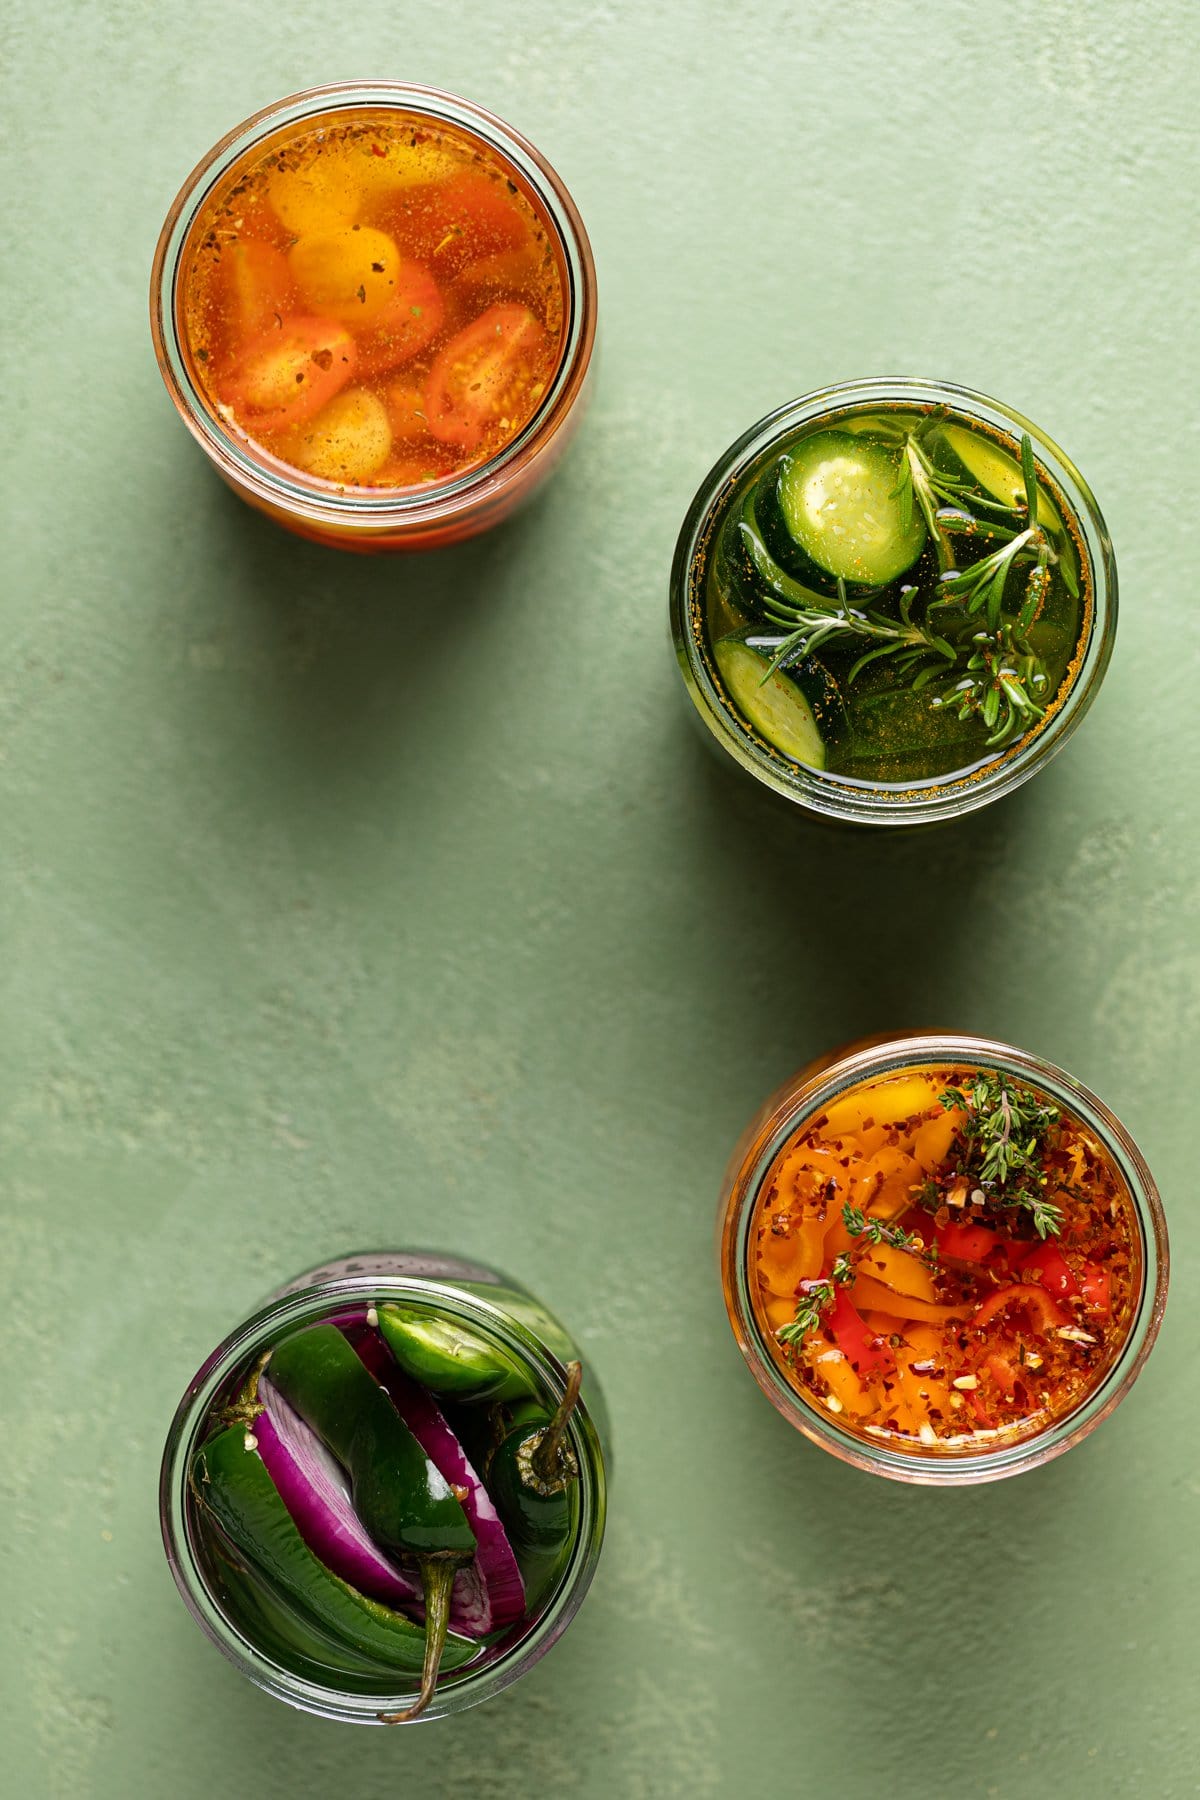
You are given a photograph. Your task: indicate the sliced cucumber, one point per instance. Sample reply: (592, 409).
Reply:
(775, 707)
(837, 494)
(997, 473)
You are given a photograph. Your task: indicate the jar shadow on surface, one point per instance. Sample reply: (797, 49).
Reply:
(829, 932)
(348, 662)
(949, 1586)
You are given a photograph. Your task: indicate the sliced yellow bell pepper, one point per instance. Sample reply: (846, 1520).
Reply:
(883, 1103)
(931, 1144)
(869, 1294)
(834, 1370)
(783, 1261)
(898, 1269)
(779, 1311)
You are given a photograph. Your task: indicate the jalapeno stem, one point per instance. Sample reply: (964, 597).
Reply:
(437, 1579)
(547, 1460)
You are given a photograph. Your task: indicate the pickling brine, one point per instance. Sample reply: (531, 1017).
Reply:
(373, 301)
(945, 1260)
(384, 1495)
(896, 596)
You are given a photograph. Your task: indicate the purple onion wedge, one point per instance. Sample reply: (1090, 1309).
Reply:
(314, 1488)
(494, 1562)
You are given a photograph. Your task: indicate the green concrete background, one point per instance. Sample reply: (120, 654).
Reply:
(351, 902)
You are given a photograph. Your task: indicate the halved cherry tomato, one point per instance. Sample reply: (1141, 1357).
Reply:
(863, 1349)
(347, 441)
(1096, 1285)
(451, 223)
(349, 275)
(290, 372)
(256, 287)
(503, 272)
(1024, 1293)
(486, 372)
(967, 1243)
(405, 402)
(1047, 1264)
(411, 319)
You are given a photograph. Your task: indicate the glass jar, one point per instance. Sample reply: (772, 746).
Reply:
(491, 1305)
(844, 798)
(367, 519)
(805, 1096)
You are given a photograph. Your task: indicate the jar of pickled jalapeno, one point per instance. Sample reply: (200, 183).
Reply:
(383, 1495)
(374, 307)
(944, 1260)
(893, 601)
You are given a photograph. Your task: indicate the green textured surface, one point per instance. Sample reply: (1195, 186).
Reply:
(350, 901)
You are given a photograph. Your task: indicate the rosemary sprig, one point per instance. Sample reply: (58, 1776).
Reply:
(1003, 1140)
(948, 503)
(815, 1298)
(991, 672)
(1004, 684)
(813, 626)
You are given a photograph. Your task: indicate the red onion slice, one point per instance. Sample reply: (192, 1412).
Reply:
(313, 1486)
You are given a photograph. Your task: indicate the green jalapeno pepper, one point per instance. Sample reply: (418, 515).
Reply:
(531, 1470)
(402, 1500)
(450, 1360)
(230, 1483)
(278, 1626)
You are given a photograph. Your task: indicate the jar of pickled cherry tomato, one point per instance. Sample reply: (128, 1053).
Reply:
(1071, 1323)
(868, 619)
(374, 307)
(265, 1628)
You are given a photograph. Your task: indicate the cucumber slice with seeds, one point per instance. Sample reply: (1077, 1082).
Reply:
(775, 707)
(838, 500)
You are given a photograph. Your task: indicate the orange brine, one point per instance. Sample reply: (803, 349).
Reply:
(944, 1260)
(375, 301)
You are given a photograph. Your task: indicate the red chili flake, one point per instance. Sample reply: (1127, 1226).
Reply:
(377, 150)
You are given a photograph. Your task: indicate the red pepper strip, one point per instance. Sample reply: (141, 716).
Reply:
(1003, 1374)
(981, 1412)
(863, 1349)
(1096, 1284)
(1027, 1294)
(1048, 1265)
(967, 1243)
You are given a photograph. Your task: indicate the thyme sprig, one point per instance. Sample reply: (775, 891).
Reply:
(815, 1298)
(1003, 1139)
(878, 1231)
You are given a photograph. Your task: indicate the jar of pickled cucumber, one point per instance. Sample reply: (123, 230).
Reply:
(892, 601)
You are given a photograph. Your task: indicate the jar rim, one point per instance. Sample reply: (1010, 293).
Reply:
(377, 511)
(848, 798)
(291, 1309)
(815, 1088)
